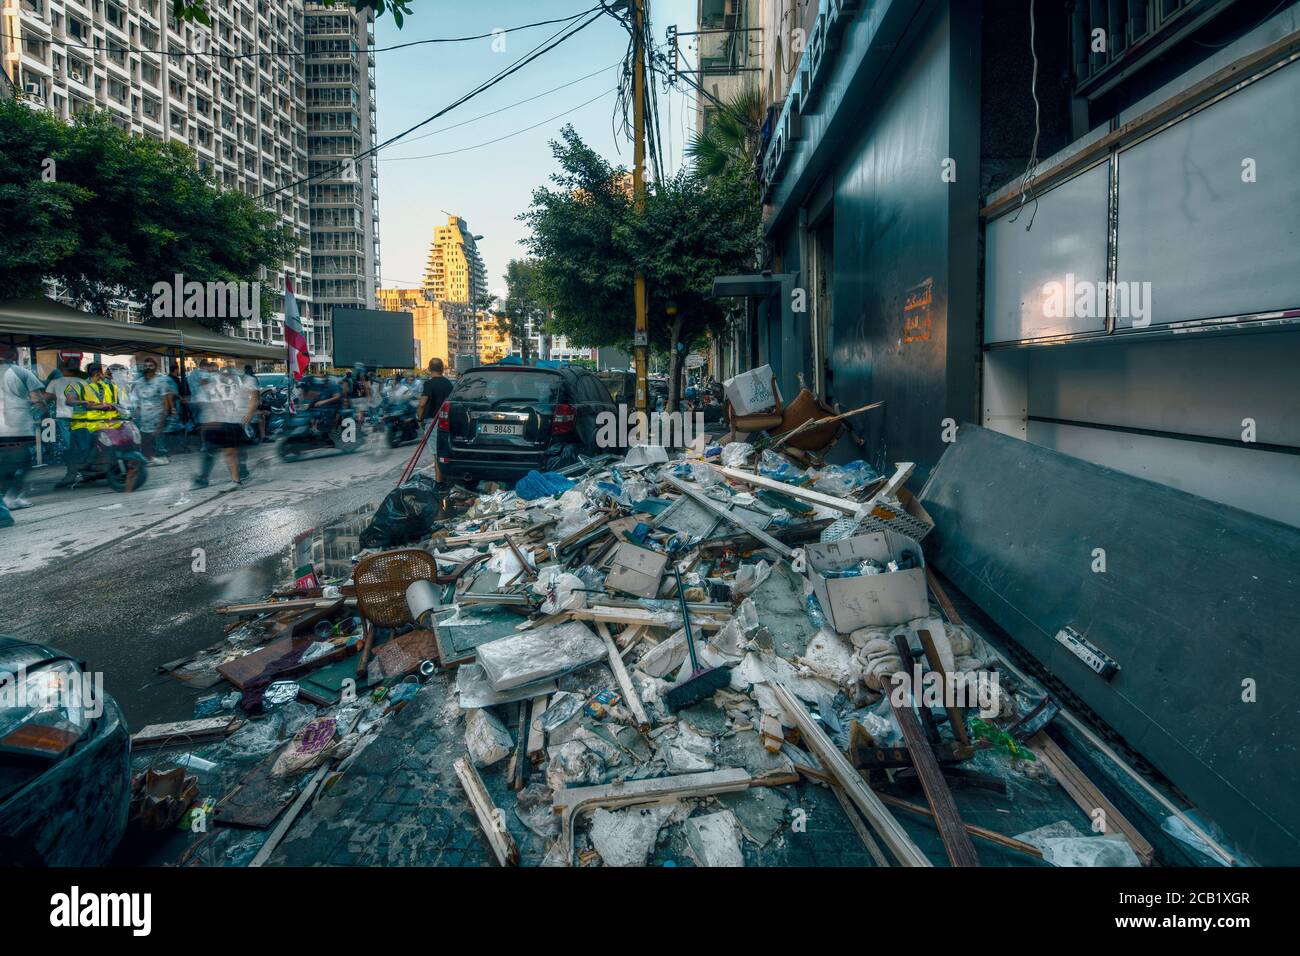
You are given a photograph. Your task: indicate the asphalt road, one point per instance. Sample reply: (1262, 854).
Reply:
(111, 579)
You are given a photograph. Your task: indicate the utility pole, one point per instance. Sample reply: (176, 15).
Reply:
(641, 342)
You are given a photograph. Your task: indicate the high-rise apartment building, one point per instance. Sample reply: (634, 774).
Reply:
(261, 104)
(456, 278)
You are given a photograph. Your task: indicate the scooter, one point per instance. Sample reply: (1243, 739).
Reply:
(304, 433)
(115, 456)
(400, 423)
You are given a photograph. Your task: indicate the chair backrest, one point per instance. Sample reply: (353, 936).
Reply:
(382, 579)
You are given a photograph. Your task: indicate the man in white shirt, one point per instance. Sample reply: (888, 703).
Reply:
(20, 393)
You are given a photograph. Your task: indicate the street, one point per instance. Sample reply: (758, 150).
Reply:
(109, 577)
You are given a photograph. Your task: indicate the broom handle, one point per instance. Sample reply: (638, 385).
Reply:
(686, 617)
(410, 466)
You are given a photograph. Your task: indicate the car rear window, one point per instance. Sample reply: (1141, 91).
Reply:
(492, 387)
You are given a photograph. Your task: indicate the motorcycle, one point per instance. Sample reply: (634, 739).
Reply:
(304, 432)
(116, 457)
(400, 423)
(274, 408)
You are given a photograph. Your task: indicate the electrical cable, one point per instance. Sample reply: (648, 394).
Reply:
(1033, 153)
(518, 132)
(541, 49)
(510, 106)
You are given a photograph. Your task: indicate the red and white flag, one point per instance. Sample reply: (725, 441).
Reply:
(299, 353)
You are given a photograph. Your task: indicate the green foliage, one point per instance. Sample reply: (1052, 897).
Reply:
(523, 301)
(107, 215)
(730, 141)
(589, 242)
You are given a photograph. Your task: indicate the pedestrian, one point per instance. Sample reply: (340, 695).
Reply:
(153, 403)
(435, 391)
(20, 392)
(259, 417)
(68, 371)
(226, 403)
(95, 403)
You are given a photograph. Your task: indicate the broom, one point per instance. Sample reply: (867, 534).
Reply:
(702, 684)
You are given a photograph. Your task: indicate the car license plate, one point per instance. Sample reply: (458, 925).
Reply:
(500, 428)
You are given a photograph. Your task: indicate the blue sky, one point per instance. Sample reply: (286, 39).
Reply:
(491, 184)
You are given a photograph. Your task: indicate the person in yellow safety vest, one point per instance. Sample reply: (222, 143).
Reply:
(94, 402)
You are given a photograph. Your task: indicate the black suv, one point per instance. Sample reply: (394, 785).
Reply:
(502, 421)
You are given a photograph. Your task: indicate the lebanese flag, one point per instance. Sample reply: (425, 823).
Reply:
(299, 353)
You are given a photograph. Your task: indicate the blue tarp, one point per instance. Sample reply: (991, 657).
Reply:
(542, 484)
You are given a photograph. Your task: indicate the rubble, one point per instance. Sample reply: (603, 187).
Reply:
(556, 627)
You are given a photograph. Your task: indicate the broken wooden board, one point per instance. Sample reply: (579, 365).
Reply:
(1086, 795)
(185, 731)
(899, 842)
(624, 681)
(697, 494)
(489, 817)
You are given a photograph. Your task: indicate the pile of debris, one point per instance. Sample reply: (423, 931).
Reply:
(658, 656)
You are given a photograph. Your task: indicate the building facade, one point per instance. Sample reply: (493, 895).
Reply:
(456, 278)
(427, 321)
(261, 106)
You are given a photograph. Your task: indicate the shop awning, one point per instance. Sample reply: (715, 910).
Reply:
(46, 324)
(198, 340)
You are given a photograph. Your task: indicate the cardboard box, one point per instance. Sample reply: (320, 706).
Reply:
(636, 571)
(751, 392)
(872, 600)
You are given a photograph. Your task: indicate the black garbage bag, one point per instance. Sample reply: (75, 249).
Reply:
(406, 516)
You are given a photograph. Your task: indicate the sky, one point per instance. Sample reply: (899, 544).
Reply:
(489, 185)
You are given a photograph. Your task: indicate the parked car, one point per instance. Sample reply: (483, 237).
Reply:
(65, 761)
(502, 421)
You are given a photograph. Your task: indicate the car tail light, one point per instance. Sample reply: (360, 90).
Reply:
(562, 419)
(444, 417)
(45, 711)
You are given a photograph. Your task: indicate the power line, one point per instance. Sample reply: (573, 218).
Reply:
(541, 49)
(286, 52)
(518, 132)
(510, 106)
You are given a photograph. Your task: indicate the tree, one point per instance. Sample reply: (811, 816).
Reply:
(523, 304)
(106, 215)
(732, 135)
(589, 242)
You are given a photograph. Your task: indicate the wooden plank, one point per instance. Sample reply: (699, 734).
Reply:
(952, 831)
(637, 616)
(288, 819)
(1086, 795)
(729, 516)
(489, 817)
(955, 718)
(189, 731)
(846, 505)
(991, 835)
(855, 820)
(896, 839)
(624, 681)
(536, 735)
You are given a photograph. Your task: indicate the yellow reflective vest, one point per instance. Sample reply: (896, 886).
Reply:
(93, 419)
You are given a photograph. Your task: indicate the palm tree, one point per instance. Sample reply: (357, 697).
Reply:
(730, 140)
